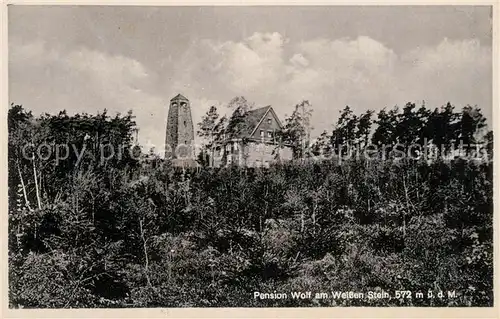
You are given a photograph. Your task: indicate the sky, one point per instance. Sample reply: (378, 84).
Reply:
(87, 58)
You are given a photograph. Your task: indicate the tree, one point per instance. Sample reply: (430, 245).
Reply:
(411, 125)
(19, 127)
(441, 128)
(489, 144)
(322, 146)
(469, 128)
(208, 123)
(297, 129)
(116, 234)
(206, 129)
(49, 154)
(364, 128)
(237, 124)
(344, 132)
(385, 132)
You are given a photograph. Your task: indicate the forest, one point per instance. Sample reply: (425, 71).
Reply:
(134, 231)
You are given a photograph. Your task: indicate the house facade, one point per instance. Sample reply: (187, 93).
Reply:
(256, 144)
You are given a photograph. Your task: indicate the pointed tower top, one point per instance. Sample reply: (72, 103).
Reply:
(179, 97)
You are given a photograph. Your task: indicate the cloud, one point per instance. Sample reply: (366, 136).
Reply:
(266, 68)
(457, 70)
(331, 73)
(46, 79)
(255, 62)
(298, 60)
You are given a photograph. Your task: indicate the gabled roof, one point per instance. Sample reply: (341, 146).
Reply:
(179, 97)
(269, 110)
(253, 118)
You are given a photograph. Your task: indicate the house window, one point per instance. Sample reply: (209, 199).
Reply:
(269, 134)
(261, 133)
(269, 121)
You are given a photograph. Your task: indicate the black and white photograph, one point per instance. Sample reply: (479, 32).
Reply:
(249, 156)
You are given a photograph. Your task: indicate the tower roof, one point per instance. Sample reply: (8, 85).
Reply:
(179, 97)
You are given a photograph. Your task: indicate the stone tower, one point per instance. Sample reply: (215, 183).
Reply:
(180, 130)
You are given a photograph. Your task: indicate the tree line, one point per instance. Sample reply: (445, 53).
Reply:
(443, 127)
(133, 231)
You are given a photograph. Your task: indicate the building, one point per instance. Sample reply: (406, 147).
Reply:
(179, 139)
(256, 143)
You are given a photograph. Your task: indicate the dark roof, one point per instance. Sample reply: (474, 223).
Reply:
(179, 97)
(252, 119)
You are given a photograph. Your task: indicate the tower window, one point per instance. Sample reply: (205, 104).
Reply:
(184, 123)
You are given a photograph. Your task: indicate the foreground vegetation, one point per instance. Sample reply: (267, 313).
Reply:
(140, 233)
